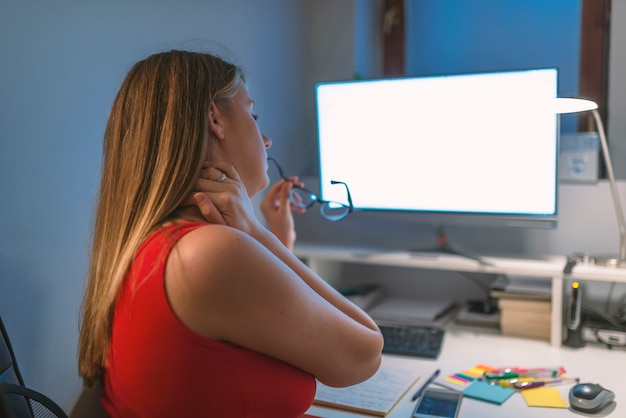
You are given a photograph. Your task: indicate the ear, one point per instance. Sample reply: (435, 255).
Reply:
(216, 121)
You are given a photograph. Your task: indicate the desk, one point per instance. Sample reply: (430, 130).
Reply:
(326, 261)
(465, 347)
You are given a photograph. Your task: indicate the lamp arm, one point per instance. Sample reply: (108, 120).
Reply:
(616, 199)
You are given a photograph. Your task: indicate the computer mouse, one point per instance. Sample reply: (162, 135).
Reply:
(590, 397)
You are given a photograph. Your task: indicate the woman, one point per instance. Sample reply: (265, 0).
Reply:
(193, 308)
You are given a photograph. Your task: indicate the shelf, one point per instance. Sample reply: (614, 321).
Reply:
(548, 267)
(326, 261)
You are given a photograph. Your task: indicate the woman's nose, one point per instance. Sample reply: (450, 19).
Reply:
(267, 141)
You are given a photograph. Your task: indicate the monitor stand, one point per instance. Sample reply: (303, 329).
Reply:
(443, 247)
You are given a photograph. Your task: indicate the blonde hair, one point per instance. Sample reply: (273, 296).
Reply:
(154, 146)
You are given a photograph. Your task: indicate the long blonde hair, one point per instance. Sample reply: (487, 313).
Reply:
(154, 146)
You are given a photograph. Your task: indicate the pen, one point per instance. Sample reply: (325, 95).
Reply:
(428, 382)
(555, 371)
(513, 375)
(540, 383)
(509, 383)
(501, 376)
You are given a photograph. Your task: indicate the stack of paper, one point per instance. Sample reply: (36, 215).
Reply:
(410, 311)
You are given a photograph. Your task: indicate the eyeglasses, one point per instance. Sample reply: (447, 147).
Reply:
(302, 198)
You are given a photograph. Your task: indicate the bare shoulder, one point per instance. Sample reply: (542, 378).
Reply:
(207, 239)
(212, 248)
(205, 274)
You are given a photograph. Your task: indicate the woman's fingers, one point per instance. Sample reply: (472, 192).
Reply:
(213, 174)
(208, 209)
(218, 172)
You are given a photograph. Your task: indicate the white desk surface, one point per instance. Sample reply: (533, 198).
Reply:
(465, 347)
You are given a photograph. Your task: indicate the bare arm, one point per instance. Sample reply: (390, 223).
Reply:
(227, 286)
(315, 282)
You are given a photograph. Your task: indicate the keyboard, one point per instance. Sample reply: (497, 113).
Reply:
(412, 340)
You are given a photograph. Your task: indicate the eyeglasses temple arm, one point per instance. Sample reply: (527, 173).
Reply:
(347, 192)
(281, 173)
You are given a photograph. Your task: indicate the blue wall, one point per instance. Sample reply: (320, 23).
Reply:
(456, 36)
(60, 67)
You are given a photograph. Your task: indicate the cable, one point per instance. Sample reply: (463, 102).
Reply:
(603, 315)
(607, 304)
(476, 280)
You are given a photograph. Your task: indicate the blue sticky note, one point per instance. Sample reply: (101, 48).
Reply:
(486, 392)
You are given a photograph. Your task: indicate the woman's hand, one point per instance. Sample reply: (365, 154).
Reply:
(276, 209)
(222, 199)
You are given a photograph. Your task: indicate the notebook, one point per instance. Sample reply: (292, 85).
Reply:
(376, 396)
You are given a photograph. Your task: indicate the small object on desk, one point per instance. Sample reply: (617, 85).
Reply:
(590, 397)
(513, 373)
(552, 371)
(460, 381)
(428, 382)
(544, 397)
(479, 313)
(412, 340)
(438, 403)
(487, 392)
(574, 320)
(487, 306)
(541, 383)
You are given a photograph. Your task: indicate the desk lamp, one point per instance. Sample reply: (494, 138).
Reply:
(575, 105)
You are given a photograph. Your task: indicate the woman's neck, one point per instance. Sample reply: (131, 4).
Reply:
(189, 213)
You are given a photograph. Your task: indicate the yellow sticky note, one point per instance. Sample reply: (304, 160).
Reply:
(544, 397)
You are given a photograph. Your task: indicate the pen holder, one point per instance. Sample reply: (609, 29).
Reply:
(574, 318)
(574, 338)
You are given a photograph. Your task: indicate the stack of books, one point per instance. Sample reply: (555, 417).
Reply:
(525, 306)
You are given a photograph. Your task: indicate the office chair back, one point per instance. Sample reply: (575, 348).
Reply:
(9, 372)
(22, 402)
(16, 400)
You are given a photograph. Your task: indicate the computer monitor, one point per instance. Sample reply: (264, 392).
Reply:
(474, 148)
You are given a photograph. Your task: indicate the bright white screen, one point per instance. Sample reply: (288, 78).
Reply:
(472, 143)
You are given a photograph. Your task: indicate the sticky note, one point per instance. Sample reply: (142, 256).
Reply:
(459, 381)
(544, 397)
(489, 393)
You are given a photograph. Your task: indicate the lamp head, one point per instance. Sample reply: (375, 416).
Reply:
(573, 105)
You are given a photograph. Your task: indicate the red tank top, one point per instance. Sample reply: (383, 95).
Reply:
(159, 368)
